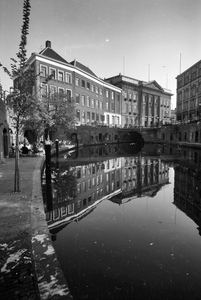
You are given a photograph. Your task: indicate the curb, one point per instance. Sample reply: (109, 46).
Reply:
(50, 278)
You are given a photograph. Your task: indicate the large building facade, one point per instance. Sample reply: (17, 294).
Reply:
(144, 104)
(96, 101)
(189, 94)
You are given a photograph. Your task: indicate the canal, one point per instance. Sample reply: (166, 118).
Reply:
(125, 221)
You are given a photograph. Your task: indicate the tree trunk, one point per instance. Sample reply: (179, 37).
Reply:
(17, 173)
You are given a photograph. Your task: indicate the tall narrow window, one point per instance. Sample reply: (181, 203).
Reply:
(69, 94)
(88, 101)
(68, 77)
(78, 114)
(83, 117)
(78, 98)
(83, 100)
(44, 90)
(52, 72)
(88, 86)
(88, 116)
(60, 75)
(43, 70)
(53, 90)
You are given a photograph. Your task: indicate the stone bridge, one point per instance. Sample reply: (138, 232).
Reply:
(92, 135)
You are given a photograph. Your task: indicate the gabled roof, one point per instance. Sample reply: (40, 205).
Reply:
(48, 52)
(82, 67)
(154, 85)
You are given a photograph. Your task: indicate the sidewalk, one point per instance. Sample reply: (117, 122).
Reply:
(28, 263)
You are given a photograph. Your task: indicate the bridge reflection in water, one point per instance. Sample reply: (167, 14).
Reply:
(126, 237)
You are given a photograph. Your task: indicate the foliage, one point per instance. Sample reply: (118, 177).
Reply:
(54, 112)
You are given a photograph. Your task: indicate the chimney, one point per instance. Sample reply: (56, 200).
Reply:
(48, 44)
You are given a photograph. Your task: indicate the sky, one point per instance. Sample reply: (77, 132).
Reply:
(142, 39)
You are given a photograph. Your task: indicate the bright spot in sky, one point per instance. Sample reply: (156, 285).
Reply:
(107, 40)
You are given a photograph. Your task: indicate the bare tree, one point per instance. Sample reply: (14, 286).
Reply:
(21, 97)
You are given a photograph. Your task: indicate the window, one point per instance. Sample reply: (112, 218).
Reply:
(52, 72)
(93, 117)
(83, 100)
(83, 116)
(78, 114)
(92, 88)
(44, 90)
(107, 106)
(97, 104)
(78, 98)
(79, 204)
(43, 70)
(53, 91)
(84, 187)
(108, 119)
(61, 91)
(96, 90)
(88, 101)
(77, 81)
(79, 188)
(107, 94)
(71, 208)
(112, 95)
(88, 116)
(69, 94)
(112, 120)
(60, 75)
(92, 103)
(68, 77)
(88, 86)
(93, 182)
(101, 91)
(101, 105)
(89, 186)
(83, 83)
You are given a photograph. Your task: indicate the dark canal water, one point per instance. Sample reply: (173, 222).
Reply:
(125, 221)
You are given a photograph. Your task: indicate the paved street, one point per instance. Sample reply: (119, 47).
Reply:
(26, 252)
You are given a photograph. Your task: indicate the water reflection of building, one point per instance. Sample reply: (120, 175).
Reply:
(142, 176)
(187, 191)
(114, 178)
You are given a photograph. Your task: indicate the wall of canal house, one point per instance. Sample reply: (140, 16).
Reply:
(183, 133)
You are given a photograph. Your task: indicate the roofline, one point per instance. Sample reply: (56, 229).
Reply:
(144, 83)
(199, 61)
(57, 63)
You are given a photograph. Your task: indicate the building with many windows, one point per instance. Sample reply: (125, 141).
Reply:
(96, 101)
(189, 94)
(143, 103)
